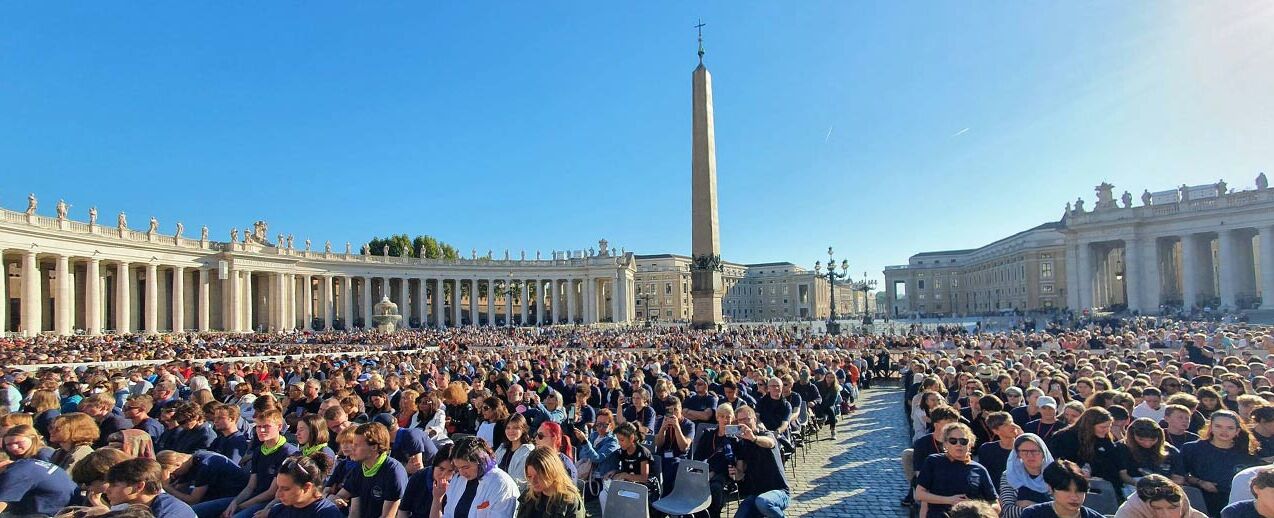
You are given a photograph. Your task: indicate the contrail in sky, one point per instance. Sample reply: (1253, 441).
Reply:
(961, 132)
(829, 135)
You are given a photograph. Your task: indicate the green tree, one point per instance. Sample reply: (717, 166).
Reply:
(401, 245)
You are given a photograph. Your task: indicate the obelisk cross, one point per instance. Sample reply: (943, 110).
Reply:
(700, 28)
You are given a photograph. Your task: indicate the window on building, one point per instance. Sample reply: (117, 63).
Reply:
(1046, 270)
(920, 284)
(667, 288)
(1046, 288)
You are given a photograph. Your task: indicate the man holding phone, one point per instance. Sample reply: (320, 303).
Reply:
(673, 434)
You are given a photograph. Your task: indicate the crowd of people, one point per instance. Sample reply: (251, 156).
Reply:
(491, 422)
(536, 421)
(1134, 418)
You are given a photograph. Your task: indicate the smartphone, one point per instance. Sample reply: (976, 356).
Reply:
(732, 430)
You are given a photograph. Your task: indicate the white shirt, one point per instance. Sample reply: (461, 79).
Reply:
(1144, 410)
(497, 495)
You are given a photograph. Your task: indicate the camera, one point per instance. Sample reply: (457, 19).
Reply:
(732, 430)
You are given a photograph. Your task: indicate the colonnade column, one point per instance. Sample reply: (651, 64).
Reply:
(422, 298)
(1227, 256)
(523, 297)
(554, 298)
(571, 314)
(250, 325)
(1267, 266)
(1153, 277)
(347, 300)
(439, 321)
(614, 299)
(31, 307)
(1133, 274)
(205, 314)
(539, 302)
(590, 301)
(367, 302)
(64, 306)
(1189, 267)
(179, 299)
(456, 312)
(1085, 270)
(325, 298)
(508, 303)
(92, 296)
(151, 315)
(232, 310)
(307, 309)
(405, 296)
(490, 303)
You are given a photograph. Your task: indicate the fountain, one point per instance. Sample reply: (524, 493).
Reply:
(385, 316)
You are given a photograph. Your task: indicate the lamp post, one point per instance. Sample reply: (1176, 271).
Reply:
(833, 327)
(864, 286)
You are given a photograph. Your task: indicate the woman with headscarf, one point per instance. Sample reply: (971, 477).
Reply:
(1157, 497)
(1023, 482)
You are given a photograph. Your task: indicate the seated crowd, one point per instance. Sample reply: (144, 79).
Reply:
(463, 431)
(1139, 420)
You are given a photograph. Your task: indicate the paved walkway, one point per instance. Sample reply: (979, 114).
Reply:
(858, 474)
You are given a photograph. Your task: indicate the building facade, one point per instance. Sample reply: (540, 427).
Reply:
(1022, 272)
(753, 292)
(1190, 247)
(1203, 246)
(65, 277)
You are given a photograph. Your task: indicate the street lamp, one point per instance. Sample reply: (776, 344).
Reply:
(864, 286)
(833, 327)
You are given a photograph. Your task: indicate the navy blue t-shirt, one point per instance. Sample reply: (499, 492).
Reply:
(410, 441)
(944, 477)
(700, 403)
(168, 506)
(1171, 463)
(387, 485)
(1205, 461)
(234, 446)
(418, 497)
(194, 439)
(1241, 509)
(222, 476)
(340, 471)
(321, 508)
(266, 467)
(152, 427)
(1045, 510)
(32, 486)
(994, 458)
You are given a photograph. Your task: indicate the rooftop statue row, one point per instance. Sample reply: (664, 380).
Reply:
(1106, 198)
(254, 238)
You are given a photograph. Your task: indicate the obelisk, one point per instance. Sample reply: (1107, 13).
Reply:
(705, 242)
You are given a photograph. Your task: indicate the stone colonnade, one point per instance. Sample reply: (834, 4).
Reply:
(1230, 268)
(64, 277)
(67, 294)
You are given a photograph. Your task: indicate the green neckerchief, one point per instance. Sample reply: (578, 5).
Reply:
(266, 450)
(380, 461)
(311, 450)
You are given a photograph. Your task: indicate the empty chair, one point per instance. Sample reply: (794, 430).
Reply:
(626, 500)
(692, 492)
(1101, 497)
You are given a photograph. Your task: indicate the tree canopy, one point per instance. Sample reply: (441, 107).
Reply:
(403, 246)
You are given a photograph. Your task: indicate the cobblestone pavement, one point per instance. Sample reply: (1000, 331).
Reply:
(858, 474)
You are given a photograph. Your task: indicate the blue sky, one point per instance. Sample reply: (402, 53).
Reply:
(880, 128)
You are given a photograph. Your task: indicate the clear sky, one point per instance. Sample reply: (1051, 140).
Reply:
(880, 128)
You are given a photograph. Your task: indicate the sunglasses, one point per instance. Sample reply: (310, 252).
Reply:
(958, 440)
(1155, 493)
(541, 435)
